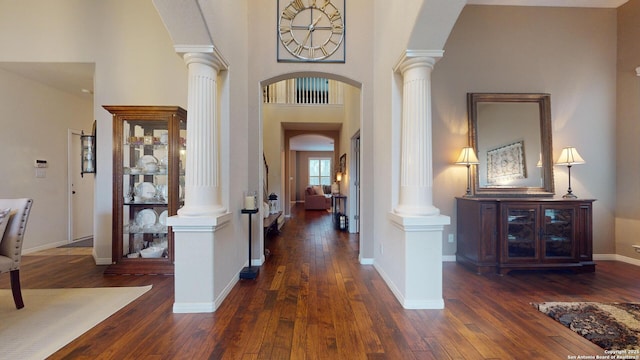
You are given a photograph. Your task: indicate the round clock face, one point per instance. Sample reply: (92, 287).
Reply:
(312, 31)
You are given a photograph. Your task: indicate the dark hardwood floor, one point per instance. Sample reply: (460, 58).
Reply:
(313, 300)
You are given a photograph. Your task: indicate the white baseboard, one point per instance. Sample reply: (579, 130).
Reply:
(44, 247)
(602, 257)
(258, 262)
(101, 261)
(193, 308)
(616, 257)
(366, 261)
(227, 289)
(396, 292)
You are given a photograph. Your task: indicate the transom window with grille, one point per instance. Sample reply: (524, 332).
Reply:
(311, 90)
(304, 90)
(320, 171)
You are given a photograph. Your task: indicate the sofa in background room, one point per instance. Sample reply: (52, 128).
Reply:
(317, 197)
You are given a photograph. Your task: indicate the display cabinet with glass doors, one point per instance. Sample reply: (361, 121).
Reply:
(149, 150)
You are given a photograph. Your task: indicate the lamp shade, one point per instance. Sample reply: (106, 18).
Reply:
(339, 176)
(569, 156)
(467, 157)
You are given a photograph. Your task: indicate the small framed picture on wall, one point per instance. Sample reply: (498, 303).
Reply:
(343, 163)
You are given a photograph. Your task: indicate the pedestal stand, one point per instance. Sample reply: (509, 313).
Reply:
(339, 212)
(249, 272)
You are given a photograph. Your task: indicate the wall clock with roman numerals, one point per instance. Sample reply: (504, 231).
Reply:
(311, 30)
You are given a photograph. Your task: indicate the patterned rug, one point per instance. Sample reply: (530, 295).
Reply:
(612, 326)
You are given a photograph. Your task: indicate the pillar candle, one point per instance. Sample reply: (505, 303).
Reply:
(249, 202)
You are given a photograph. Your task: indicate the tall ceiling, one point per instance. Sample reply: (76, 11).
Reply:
(73, 78)
(77, 78)
(311, 142)
(557, 3)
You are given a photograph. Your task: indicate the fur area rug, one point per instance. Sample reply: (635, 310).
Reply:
(612, 326)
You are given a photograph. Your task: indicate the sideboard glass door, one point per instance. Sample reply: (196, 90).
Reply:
(521, 233)
(559, 233)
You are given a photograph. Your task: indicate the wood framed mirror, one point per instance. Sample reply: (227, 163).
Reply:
(511, 134)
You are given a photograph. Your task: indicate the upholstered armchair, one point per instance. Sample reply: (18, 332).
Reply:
(12, 227)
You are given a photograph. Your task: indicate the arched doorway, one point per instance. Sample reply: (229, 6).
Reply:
(307, 104)
(306, 148)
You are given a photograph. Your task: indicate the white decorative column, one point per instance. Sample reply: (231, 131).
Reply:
(419, 285)
(203, 214)
(416, 172)
(202, 182)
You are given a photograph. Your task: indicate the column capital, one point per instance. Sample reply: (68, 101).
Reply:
(412, 58)
(207, 55)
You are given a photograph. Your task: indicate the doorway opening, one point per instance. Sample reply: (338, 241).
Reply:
(354, 193)
(80, 192)
(319, 108)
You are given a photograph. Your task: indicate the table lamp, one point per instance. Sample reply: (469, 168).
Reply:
(468, 157)
(569, 157)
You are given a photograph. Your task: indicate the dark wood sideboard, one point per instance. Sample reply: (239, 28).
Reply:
(504, 234)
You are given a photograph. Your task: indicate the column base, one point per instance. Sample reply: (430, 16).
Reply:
(194, 280)
(421, 277)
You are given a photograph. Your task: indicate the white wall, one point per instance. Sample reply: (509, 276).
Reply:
(351, 128)
(274, 140)
(346, 117)
(568, 53)
(393, 25)
(628, 132)
(357, 71)
(34, 123)
(135, 65)
(302, 168)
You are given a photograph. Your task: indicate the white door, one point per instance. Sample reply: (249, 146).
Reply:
(354, 175)
(80, 193)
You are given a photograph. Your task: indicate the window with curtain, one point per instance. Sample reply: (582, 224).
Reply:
(320, 171)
